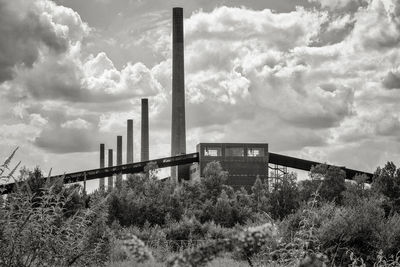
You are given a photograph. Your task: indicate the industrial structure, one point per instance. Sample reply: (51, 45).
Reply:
(178, 124)
(243, 161)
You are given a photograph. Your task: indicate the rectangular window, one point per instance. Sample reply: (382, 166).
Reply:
(212, 152)
(255, 152)
(234, 152)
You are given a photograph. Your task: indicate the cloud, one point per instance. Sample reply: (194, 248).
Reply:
(306, 81)
(378, 25)
(30, 27)
(392, 80)
(69, 78)
(76, 124)
(341, 5)
(274, 30)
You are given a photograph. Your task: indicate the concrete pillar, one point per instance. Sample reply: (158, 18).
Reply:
(110, 164)
(144, 146)
(129, 142)
(119, 159)
(101, 181)
(178, 130)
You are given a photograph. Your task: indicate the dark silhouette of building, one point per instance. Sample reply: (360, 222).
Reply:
(243, 161)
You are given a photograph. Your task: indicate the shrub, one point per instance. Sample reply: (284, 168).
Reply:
(247, 243)
(333, 181)
(284, 197)
(35, 232)
(355, 228)
(389, 238)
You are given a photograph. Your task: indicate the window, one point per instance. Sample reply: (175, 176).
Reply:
(234, 152)
(212, 151)
(255, 152)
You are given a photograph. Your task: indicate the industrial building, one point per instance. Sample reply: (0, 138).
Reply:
(243, 161)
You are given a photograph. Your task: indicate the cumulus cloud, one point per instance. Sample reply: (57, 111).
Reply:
(76, 124)
(392, 80)
(305, 81)
(341, 5)
(30, 27)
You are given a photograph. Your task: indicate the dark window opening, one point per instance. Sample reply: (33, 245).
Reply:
(234, 152)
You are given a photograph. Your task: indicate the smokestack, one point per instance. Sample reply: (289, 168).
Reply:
(101, 182)
(110, 164)
(119, 159)
(178, 131)
(144, 155)
(129, 142)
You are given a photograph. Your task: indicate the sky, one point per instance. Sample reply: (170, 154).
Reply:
(316, 79)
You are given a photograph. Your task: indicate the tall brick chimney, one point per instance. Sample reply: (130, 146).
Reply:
(178, 129)
(144, 155)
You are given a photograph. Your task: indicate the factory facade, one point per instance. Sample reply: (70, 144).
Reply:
(243, 161)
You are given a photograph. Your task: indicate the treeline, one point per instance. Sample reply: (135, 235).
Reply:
(342, 223)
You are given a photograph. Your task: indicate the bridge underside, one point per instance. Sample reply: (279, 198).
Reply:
(139, 167)
(305, 165)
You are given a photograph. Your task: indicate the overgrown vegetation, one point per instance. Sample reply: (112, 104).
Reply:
(323, 221)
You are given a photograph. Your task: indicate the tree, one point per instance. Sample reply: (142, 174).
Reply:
(284, 197)
(260, 195)
(223, 210)
(386, 180)
(214, 179)
(333, 181)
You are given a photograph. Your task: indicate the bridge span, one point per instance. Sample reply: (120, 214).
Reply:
(131, 168)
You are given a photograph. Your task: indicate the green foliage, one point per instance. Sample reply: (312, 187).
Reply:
(213, 180)
(332, 181)
(355, 228)
(34, 231)
(386, 181)
(389, 236)
(260, 196)
(284, 197)
(247, 243)
(144, 200)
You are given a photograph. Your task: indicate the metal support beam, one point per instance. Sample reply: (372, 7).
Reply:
(305, 165)
(101, 181)
(110, 164)
(119, 159)
(131, 168)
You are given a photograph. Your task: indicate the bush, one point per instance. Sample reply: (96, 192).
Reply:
(284, 197)
(355, 229)
(389, 238)
(35, 232)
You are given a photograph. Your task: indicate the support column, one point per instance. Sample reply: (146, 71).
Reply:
(110, 164)
(144, 154)
(129, 142)
(101, 181)
(119, 160)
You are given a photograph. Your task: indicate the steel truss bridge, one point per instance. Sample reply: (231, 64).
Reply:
(139, 167)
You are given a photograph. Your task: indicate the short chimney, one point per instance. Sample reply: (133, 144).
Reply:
(101, 182)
